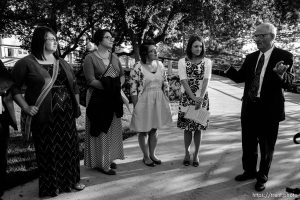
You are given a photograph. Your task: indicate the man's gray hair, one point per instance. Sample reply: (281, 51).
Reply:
(270, 28)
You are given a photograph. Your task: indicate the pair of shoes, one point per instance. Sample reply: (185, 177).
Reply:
(293, 190)
(107, 172)
(259, 186)
(148, 164)
(113, 165)
(196, 164)
(157, 162)
(79, 186)
(245, 176)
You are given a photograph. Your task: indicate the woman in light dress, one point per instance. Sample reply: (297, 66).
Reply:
(194, 72)
(149, 91)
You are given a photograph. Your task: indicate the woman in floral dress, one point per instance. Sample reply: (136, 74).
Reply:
(194, 72)
(149, 90)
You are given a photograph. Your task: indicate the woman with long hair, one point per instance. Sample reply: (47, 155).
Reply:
(51, 105)
(194, 72)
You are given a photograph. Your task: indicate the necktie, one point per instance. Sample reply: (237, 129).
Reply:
(255, 83)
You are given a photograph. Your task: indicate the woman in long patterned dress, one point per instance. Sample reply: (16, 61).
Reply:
(103, 147)
(149, 90)
(194, 72)
(53, 122)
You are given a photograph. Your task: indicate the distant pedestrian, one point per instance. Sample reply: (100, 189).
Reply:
(51, 101)
(194, 72)
(149, 91)
(104, 75)
(266, 73)
(7, 118)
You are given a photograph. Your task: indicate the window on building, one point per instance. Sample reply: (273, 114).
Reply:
(10, 52)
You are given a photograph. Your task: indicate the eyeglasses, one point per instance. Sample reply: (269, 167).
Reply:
(152, 51)
(51, 39)
(260, 36)
(109, 38)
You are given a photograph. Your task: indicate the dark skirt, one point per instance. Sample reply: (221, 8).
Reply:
(57, 147)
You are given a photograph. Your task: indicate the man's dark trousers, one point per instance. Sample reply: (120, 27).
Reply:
(258, 129)
(4, 133)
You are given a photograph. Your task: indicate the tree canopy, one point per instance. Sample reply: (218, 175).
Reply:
(132, 21)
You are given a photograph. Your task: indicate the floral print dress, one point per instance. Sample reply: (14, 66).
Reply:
(194, 73)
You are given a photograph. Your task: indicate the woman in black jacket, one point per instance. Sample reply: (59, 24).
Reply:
(53, 114)
(7, 118)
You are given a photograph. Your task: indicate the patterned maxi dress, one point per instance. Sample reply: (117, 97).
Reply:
(195, 75)
(57, 144)
(102, 150)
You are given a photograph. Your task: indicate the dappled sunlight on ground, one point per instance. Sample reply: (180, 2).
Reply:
(220, 161)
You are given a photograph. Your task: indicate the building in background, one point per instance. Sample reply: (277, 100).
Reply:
(10, 50)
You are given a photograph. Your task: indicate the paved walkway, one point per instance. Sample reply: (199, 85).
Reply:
(220, 161)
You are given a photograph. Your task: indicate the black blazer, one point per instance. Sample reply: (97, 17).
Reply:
(8, 116)
(271, 94)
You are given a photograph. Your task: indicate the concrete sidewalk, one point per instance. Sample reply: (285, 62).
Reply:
(220, 161)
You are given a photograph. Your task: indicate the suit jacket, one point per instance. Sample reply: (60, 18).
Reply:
(28, 72)
(8, 116)
(271, 94)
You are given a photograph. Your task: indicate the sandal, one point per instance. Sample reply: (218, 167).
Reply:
(196, 164)
(156, 161)
(79, 186)
(149, 164)
(196, 161)
(186, 161)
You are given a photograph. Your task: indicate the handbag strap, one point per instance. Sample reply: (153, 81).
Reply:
(108, 66)
(41, 98)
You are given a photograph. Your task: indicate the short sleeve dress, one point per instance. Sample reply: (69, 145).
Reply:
(152, 109)
(195, 74)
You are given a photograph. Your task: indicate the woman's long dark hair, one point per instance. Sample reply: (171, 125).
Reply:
(144, 48)
(191, 41)
(38, 41)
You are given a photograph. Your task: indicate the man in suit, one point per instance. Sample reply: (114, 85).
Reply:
(7, 117)
(265, 73)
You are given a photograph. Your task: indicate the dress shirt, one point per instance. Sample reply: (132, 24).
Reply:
(266, 61)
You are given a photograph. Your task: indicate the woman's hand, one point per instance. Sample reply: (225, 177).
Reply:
(31, 110)
(134, 99)
(198, 102)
